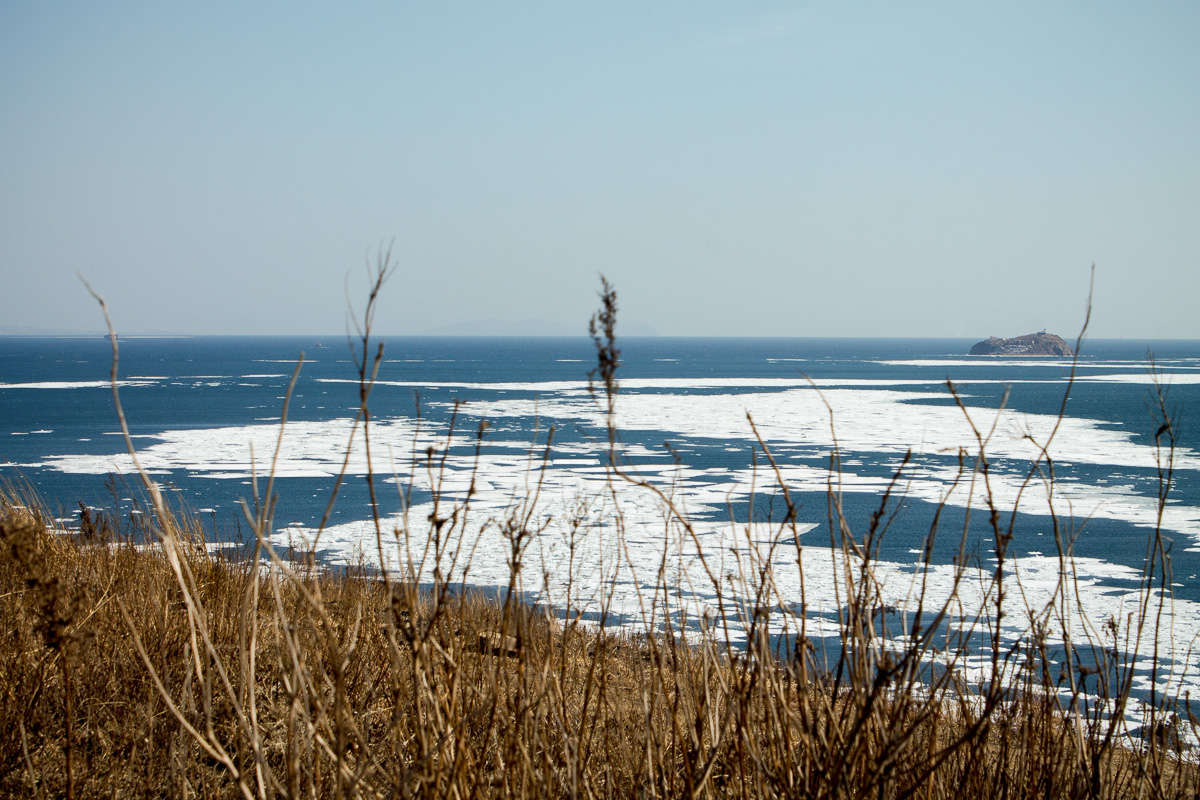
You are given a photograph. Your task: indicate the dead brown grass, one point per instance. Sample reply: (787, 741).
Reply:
(350, 692)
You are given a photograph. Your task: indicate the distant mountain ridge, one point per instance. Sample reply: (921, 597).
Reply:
(1031, 344)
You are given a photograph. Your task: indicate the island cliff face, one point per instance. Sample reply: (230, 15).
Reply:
(1031, 344)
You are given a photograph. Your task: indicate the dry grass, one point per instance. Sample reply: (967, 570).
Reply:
(141, 663)
(240, 682)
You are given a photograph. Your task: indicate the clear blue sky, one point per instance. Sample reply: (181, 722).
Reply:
(891, 169)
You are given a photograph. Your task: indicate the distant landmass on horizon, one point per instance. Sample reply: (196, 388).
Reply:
(1031, 344)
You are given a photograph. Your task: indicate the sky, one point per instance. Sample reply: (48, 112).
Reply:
(734, 169)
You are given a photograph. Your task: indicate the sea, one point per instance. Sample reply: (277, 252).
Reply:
(726, 460)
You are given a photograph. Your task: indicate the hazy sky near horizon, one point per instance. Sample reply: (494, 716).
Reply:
(812, 169)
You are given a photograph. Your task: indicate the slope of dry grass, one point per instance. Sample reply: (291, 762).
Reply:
(217, 679)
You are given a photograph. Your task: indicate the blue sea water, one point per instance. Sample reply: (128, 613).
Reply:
(195, 405)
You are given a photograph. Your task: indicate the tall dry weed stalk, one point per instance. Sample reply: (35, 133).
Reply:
(177, 671)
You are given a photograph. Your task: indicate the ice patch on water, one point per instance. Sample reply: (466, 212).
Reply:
(1163, 378)
(991, 361)
(309, 449)
(74, 384)
(881, 421)
(615, 544)
(886, 422)
(791, 418)
(548, 387)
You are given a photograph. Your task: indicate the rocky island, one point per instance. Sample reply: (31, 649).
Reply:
(1031, 344)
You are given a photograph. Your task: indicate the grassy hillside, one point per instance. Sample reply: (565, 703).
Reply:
(171, 671)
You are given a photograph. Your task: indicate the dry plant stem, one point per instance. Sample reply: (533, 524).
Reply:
(214, 751)
(261, 524)
(383, 271)
(33, 780)
(151, 486)
(365, 386)
(172, 549)
(380, 273)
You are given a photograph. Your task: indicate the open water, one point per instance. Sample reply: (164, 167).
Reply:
(200, 407)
